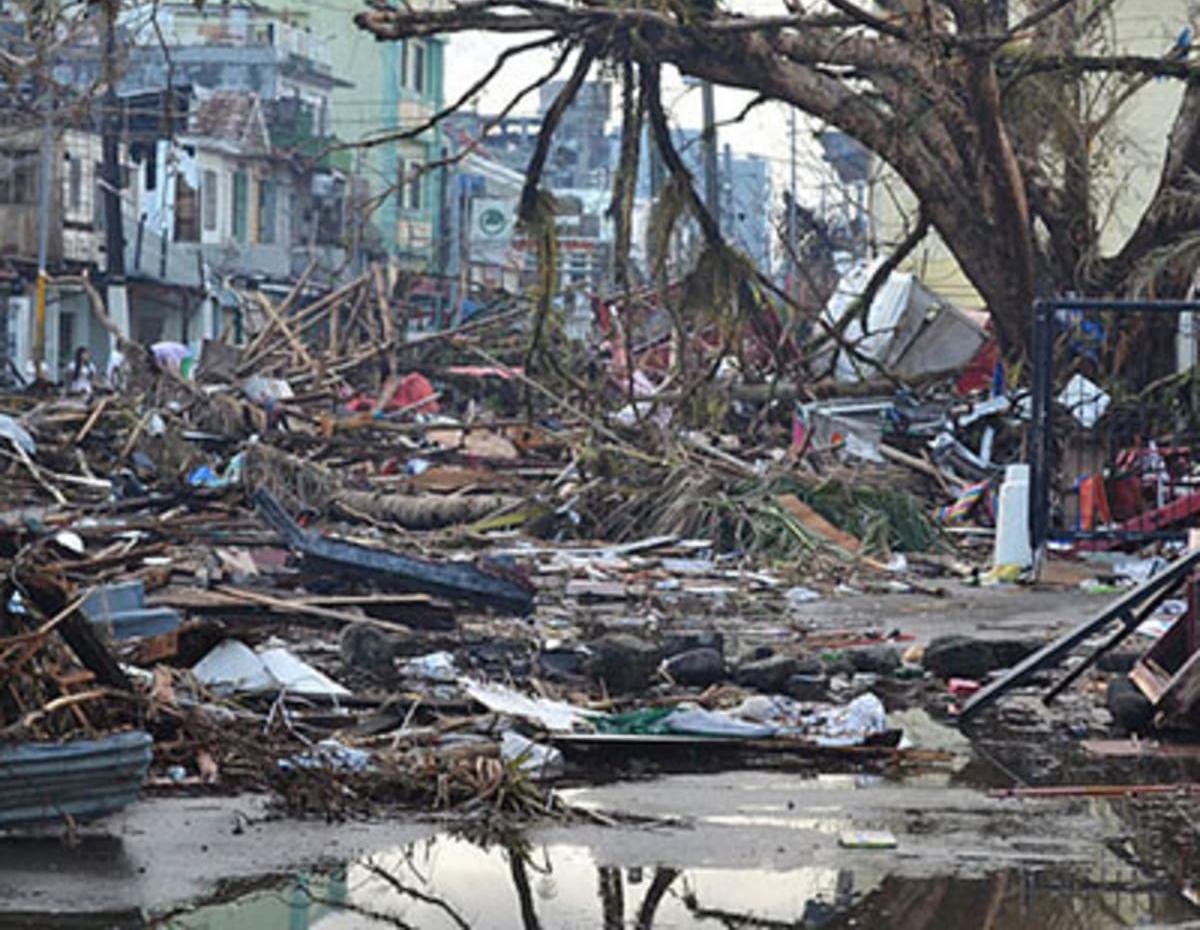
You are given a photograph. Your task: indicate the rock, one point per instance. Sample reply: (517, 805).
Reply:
(624, 662)
(967, 657)
(697, 667)
(838, 664)
(367, 648)
(686, 641)
(1122, 660)
(768, 675)
(809, 665)
(882, 660)
(959, 657)
(804, 687)
(1009, 652)
(1131, 709)
(562, 662)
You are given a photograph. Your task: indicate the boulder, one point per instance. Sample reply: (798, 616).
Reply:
(1009, 652)
(688, 640)
(1119, 660)
(366, 648)
(696, 667)
(810, 665)
(959, 657)
(968, 657)
(768, 675)
(624, 662)
(882, 660)
(1131, 710)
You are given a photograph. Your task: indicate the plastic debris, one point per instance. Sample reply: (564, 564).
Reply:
(234, 667)
(540, 762)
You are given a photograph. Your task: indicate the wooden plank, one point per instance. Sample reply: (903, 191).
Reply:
(1182, 693)
(91, 421)
(286, 606)
(815, 523)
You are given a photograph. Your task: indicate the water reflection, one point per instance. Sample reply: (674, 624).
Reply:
(453, 884)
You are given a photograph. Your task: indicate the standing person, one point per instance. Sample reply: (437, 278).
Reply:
(82, 373)
(114, 374)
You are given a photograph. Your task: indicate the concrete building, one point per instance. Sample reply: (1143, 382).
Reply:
(580, 156)
(389, 87)
(746, 205)
(747, 201)
(585, 231)
(207, 202)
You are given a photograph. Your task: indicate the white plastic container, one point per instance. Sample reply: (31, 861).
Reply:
(1012, 520)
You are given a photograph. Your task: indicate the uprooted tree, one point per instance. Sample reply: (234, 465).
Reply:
(990, 114)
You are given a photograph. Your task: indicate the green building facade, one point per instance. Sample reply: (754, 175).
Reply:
(395, 86)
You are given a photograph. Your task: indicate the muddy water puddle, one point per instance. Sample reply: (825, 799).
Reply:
(452, 884)
(755, 850)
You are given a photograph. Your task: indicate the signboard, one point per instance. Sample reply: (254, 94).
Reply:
(492, 224)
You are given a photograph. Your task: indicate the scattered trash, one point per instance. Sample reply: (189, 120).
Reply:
(437, 667)
(867, 839)
(541, 763)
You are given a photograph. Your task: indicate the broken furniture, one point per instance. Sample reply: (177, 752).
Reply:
(1169, 673)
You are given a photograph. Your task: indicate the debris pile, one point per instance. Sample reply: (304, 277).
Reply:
(354, 569)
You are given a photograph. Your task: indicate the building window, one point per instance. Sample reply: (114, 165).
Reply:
(151, 169)
(241, 192)
(266, 212)
(99, 200)
(208, 187)
(403, 69)
(18, 176)
(74, 183)
(187, 226)
(418, 67)
(410, 185)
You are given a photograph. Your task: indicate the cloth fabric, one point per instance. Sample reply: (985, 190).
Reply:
(170, 355)
(81, 383)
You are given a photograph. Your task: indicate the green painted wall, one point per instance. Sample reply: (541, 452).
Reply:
(372, 104)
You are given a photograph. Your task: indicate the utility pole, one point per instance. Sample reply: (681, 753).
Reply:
(444, 233)
(464, 247)
(42, 26)
(711, 185)
(110, 173)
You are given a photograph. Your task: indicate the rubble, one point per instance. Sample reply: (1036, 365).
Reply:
(324, 571)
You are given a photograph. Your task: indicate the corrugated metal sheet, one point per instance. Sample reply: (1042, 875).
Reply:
(84, 779)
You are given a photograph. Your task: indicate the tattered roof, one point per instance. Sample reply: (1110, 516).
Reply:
(232, 116)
